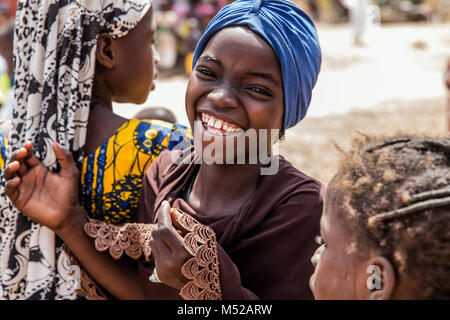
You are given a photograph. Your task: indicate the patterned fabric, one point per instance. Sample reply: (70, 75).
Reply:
(54, 50)
(133, 239)
(111, 177)
(3, 146)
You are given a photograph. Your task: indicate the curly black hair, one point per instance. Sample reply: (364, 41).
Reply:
(394, 196)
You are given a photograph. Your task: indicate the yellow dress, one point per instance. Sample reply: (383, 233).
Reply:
(111, 176)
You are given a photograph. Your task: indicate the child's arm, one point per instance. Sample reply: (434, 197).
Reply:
(51, 200)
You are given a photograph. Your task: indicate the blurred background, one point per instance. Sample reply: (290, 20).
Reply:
(385, 70)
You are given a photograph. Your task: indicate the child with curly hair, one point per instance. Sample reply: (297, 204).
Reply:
(385, 230)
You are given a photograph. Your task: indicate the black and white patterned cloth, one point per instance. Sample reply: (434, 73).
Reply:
(54, 49)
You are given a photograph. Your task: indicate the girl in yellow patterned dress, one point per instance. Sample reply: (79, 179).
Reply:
(111, 177)
(73, 60)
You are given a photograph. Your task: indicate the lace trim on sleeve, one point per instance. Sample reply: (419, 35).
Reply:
(131, 238)
(88, 289)
(203, 268)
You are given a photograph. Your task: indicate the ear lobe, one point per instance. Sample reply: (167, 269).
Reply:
(106, 51)
(381, 280)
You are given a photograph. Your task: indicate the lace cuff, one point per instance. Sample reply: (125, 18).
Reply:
(88, 289)
(131, 238)
(203, 268)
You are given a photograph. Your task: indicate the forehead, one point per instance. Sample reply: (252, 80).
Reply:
(243, 48)
(148, 22)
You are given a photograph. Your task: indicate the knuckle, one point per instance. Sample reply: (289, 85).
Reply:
(164, 231)
(155, 235)
(170, 266)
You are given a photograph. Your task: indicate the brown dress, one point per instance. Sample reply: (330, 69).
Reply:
(261, 252)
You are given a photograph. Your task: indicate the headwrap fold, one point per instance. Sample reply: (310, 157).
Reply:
(292, 35)
(55, 51)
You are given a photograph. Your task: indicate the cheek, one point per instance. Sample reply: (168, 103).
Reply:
(189, 103)
(331, 278)
(195, 93)
(149, 64)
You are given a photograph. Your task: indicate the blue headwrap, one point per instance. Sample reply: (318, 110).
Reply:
(293, 37)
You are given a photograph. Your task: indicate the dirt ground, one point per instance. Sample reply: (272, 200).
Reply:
(310, 145)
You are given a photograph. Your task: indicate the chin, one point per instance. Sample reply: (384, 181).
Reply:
(142, 99)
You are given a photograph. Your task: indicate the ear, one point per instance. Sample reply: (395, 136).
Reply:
(381, 282)
(106, 51)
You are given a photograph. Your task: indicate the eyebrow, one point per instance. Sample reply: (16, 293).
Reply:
(209, 58)
(266, 76)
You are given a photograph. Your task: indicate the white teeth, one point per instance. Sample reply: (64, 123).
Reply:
(218, 124)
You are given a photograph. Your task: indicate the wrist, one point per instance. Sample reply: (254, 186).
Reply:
(73, 224)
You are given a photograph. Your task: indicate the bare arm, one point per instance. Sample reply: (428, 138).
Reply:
(52, 200)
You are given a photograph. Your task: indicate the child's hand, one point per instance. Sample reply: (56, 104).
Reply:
(168, 250)
(45, 197)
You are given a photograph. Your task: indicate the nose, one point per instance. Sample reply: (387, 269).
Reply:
(315, 259)
(316, 256)
(223, 96)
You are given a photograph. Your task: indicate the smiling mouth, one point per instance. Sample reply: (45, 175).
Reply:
(218, 126)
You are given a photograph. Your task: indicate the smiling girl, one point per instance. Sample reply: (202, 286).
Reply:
(210, 231)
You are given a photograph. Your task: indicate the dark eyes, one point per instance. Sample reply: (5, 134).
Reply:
(154, 41)
(205, 72)
(208, 74)
(260, 91)
(320, 241)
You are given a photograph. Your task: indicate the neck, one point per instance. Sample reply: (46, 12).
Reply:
(101, 96)
(103, 122)
(220, 190)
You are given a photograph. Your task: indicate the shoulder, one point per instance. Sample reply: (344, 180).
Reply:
(157, 135)
(170, 163)
(294, 194)
(295, 180)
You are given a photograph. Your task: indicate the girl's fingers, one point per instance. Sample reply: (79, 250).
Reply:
(163, 216)
(23, 168)
(165, 228)
(11, 170)
(11, 188)
(28, 146)
(159, 248)
(31, 159)
(16, 157)
(68, 167)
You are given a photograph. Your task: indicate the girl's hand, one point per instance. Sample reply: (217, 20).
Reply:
(168, 250)
(47, 198)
